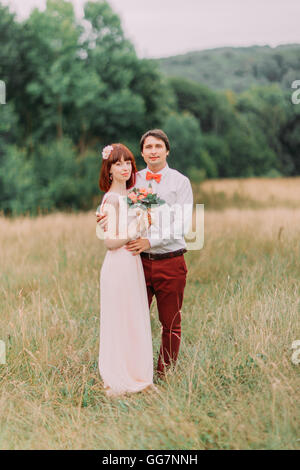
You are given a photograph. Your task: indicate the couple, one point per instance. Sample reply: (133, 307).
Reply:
(136, 268)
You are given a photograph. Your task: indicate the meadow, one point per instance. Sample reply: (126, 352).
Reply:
(234, 386)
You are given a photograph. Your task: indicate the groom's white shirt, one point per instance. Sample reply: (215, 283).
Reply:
(175, 189)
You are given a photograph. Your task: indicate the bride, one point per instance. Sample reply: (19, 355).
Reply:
(125, 352)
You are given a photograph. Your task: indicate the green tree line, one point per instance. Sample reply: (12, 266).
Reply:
(237, 68)
(74, 86)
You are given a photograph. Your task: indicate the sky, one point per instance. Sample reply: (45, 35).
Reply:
(161, 28)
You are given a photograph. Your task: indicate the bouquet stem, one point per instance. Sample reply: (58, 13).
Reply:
(149, 216)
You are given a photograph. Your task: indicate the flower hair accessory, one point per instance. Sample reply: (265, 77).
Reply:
(106, 151)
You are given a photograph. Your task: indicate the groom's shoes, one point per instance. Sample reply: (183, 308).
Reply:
(160, 376)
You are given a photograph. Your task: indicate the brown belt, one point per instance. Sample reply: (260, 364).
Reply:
(170, 254)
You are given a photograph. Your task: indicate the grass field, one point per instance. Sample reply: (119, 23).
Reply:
(252, 193)
(234, 387)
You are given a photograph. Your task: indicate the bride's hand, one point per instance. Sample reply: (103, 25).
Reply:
(133, 230)
(137, 246)
(138, 227)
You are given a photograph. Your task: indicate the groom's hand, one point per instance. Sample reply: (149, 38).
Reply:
(102, 220)
(137, 246)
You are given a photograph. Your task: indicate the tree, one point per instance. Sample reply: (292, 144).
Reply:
(54, 68)
(16, 182)
(265, 111)
(187, 152)
(290, 141)
(134, 95)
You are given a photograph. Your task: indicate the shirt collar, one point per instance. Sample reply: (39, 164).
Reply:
(161, 172)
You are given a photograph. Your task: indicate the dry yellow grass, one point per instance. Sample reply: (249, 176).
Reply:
(250, 193)
(234, 386)
(286, 190)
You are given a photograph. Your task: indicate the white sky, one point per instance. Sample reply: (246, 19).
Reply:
(160, 28)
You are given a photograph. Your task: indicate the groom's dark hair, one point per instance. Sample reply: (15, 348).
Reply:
(159, 134)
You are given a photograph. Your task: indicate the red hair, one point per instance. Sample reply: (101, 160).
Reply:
(119, 151)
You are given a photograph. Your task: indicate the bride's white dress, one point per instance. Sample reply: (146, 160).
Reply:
(125, 353)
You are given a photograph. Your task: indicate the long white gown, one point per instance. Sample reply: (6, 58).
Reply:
(125, 352)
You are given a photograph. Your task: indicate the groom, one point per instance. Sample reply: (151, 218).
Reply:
(162, 252)
(163, 261)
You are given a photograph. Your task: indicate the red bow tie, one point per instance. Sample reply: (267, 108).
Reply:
(154, 176)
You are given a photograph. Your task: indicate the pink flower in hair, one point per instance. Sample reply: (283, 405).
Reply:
(106, 151)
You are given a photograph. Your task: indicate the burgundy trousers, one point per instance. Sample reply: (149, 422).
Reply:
(166, 280)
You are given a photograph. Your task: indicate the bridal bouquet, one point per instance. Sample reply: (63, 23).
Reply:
(145, 199)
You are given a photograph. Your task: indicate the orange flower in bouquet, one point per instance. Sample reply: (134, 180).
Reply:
(144, 199)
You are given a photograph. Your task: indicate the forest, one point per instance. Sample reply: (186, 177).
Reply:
(237, 68)
(74, 86)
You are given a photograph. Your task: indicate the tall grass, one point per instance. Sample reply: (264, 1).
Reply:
(234, 386)
(249, 193)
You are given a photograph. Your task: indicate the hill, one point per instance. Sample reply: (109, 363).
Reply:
(237, 68)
